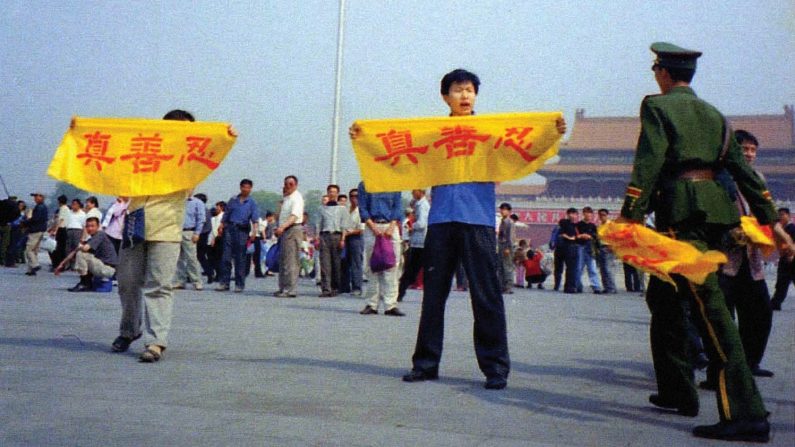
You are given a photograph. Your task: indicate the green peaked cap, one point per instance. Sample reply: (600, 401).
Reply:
(673, 56)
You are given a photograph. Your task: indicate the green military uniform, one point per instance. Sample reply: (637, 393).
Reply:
(680, 147)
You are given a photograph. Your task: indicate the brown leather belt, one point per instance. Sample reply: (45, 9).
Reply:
(697, 175)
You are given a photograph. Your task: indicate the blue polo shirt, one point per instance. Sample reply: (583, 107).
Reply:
(383, 206)
(241, 213)
(471, 203)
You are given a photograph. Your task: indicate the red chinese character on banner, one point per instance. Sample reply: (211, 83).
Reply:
(96, 150)
(460, 140)
(518, 144)
(398, 144)
(197, 151)
(146, 153)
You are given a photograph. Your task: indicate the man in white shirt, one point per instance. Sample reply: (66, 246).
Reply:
(414, 256)
(290, 234)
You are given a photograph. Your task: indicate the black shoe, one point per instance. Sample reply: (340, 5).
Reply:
(81, 287)
(326, 295)
(30, 273)
(759, 372)
(495, 383)
(708, 385)
(541, 287)
(701, 361)
(121, 344)
(36, 269)
(368, 311)
(393, 312)
(751, 431)
(684, 410)
(420, 376)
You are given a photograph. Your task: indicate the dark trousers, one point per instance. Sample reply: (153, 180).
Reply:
(446, 245)
(571, 256)
(737, 395)
(751, 300)
(234, 252)
(351, 277)
(330, 261)
(785, 275)
(60, 247)
(215, 259)
(560, 262)
(255, 258)
(461, 277)
(632, 279)
(411, 269)
(203, 253)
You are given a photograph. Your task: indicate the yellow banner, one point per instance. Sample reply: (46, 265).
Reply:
(659, 255)
(403, 154)
(138, 157)
(758, 235)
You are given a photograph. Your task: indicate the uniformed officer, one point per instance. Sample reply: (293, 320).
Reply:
(683, 142)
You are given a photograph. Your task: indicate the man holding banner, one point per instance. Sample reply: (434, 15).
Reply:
(156, 163)
(468, 155)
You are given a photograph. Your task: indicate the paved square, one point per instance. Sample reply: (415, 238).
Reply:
(251, 369)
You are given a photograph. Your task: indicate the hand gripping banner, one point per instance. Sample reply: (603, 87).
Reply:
(403, 154)
(139, 157)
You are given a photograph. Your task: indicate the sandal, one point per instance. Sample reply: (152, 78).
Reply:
(151, 355)
(122, 344)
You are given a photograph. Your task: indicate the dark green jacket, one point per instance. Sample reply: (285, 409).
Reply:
(680, 132)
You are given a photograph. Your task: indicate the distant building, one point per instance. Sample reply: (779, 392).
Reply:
(596, 162)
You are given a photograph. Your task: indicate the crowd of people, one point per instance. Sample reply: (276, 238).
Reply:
(155, 244)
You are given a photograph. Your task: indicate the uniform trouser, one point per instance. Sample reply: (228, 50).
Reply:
(289, 258)
(32, 249)
(604, 259)
(785, 274)
(507, 269)
(737, 395)
(446, 245)
(560, 262)
(330, 261)
(188, 267)
(411, 269)
(234, 252)
(86, 263)
(751, 301)
(383, 286)
(146, 274)
(586, 261)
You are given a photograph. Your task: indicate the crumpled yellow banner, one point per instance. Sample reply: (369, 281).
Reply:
(758, 235)
(403, 154)
(139, 157)
(659, 255)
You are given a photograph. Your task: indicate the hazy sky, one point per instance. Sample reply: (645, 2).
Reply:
(268, 68)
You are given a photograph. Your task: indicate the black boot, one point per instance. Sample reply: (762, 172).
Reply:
(84, 285)
(751, 431)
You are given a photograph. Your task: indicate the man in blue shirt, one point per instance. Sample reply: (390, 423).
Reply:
(36, 225)
(381, 214)
(461, 228)
(192, 226)
(240, 215)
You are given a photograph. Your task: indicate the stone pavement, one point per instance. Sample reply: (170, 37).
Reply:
(250, 369)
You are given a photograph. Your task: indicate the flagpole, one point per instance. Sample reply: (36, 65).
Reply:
(337, 94)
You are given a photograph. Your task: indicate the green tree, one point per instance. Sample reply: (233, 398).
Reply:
(71, 192)
(266, 201)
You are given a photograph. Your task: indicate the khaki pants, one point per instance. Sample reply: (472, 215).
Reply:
(146, 275)
(289, 262)
(383, 286)
(188, 265)
(32, 249)
(88, 263)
